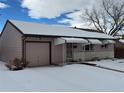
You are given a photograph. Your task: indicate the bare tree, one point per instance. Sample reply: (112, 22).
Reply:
(109, 18)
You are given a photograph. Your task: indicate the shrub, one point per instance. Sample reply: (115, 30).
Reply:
(16, 64)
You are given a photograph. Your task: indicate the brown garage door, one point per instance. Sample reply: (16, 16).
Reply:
(38, 54)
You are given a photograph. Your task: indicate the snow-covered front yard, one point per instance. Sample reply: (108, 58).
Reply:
(76, 77)
(117, 64)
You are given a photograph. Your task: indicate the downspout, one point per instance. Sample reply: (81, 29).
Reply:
(65, 52)
(23, 49)
(73, 51)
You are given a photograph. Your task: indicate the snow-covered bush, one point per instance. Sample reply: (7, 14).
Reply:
(16, 64)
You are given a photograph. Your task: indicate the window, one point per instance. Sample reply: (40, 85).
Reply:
(74, 45)
(88, 47)
(104, 46)
(91, 46)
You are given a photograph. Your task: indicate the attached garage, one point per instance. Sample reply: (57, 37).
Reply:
(38, 53)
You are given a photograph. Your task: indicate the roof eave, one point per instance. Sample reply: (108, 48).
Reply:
(36, 35)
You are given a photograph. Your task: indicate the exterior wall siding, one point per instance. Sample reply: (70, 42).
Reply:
(11, 44)
(101, 55)
(97, 51)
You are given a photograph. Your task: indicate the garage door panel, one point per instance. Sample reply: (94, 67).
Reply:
(37, 54)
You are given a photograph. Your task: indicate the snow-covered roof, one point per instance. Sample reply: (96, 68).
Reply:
(95, 41)
(52, 30)
(63, 40)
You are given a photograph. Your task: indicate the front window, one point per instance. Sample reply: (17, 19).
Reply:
(104, 46)
(88, 47)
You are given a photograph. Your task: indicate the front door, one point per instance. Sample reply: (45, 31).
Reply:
(69, 51)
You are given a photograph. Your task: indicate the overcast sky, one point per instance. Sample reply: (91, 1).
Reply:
(60, 12)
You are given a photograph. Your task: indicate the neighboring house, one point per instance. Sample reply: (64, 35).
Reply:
(41, 44)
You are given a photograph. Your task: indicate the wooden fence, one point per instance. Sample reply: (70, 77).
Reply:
(119, 52)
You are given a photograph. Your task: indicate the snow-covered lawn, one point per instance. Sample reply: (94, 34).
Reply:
(117, 64)
(76, 77)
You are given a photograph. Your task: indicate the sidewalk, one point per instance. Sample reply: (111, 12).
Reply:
(117, 64)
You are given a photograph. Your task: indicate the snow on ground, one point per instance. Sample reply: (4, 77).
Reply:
(117, 64)
(76, 77)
